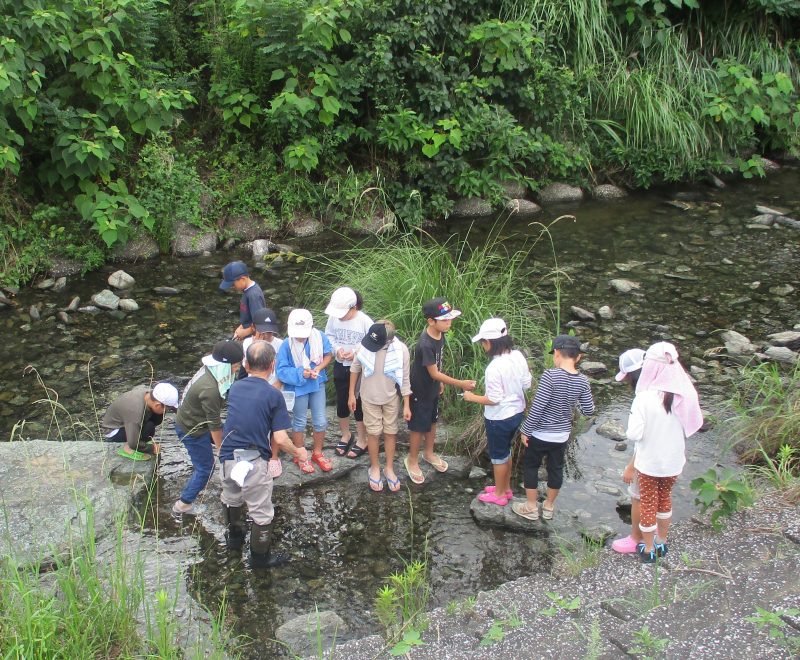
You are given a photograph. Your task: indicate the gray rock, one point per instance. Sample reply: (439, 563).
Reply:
(607, 191)
(262, 247)
(165, 291)
(64, 318)
(623, 286)
(737, 344)
(597, 533)
(477, 473)
(780, 354)
(787, 222)
(771, 210)
(304, 634)
(764, 219)
(191, 241)
(789, 338)
(73, 305)
(605, 313)
(624, 503)
(64, 267)
(716, 181)
(304, 226)
(472, 207)
(582, 314)
(620, 446)
(119, 279)
(60, 284)
(382, 221)
(593, 368)
(782, 289)
(106, 299)
(758, 227)
(612, 429)
(138, 248)
(249, 227)
(522, 208)
(45, 284)
(557, 193)
(128, 305)
(33, 312)
(89, 309)
(769, 165)
(608, 489)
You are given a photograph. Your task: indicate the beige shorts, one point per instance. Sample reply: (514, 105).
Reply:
(381, 419)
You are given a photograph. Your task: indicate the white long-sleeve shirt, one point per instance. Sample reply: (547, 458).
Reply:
(507, 378)
(660, 443)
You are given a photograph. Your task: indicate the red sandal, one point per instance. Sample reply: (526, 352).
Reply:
(305, 466)
(324, 464)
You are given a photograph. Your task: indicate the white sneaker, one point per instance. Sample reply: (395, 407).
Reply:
(180, 507)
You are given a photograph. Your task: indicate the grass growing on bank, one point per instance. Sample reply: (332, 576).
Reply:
(490, 279)
(84, 604)
(766, 411)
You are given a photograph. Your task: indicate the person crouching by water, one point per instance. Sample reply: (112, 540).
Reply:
(198, 423)
(132, 418)
(257, 422)
(301, 364)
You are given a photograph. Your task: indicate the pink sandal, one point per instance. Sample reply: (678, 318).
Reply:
(492, 489)
(493, 498)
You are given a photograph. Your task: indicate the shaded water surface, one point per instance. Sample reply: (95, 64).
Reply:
(699, 270)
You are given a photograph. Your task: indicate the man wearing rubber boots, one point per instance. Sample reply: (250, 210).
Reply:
(256, 413)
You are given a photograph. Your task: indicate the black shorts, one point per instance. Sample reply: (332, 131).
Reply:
(341, 383)
(424, 414)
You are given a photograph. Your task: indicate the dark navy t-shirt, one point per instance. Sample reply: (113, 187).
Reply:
(255, 410)
(252, 300)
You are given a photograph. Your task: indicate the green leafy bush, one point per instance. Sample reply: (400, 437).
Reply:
(725, 492)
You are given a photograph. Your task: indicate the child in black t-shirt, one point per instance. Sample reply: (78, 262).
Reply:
(427, 383)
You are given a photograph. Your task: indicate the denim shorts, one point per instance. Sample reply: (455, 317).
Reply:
(499, 436)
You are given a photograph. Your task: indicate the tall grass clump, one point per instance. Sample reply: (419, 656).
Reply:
(766, 413)
(489, 279)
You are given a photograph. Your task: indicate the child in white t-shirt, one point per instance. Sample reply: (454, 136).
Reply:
(345, 329)
(506, 379)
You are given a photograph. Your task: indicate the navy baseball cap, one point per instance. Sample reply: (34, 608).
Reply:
(232, 272)
(567, 341)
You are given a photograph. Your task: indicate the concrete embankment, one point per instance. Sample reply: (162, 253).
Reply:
(695, 603)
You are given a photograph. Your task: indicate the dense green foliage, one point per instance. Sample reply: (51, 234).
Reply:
(133, 112)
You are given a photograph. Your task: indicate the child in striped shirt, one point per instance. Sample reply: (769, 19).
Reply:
(549, 423)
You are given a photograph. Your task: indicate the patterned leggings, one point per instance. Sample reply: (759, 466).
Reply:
(656, 498)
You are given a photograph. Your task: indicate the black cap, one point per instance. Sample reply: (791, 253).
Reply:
(376, 337)
(439, 309)
(227, 351)
(265, 320)
(567, 341)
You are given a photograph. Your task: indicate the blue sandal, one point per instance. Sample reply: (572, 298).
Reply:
(394, 485)
(375, 484)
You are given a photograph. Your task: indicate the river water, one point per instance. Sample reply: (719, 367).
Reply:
(700, 270)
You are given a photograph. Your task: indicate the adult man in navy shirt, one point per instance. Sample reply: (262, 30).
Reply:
(256, 414)
(235, 275)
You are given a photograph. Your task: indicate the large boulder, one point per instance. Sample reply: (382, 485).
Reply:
(522, 208)
(311, 633)
(304, 226)
(64, 267)
(138, 248)
(106, 299)
(788, 338)
(607, 191)
(119, 279)
(191, 241)
(379, 221)
(737, 344)
(559, 193)
(472, 207)
(513, 189)
(249, 227)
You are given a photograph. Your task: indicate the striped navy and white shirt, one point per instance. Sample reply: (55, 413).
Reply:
(559, 393)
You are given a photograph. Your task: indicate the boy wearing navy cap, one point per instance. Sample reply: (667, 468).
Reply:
(235, 275)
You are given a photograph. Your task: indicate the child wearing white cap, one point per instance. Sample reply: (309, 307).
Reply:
(301, 363)
(506, 379)
(345, 329)
(630, 367)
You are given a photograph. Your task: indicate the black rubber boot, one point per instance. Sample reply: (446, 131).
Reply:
(236, 527)
(260, 541)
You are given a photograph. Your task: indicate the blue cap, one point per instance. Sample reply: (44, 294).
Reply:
(232, 272)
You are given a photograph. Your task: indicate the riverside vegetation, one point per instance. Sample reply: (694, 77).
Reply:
(129, 116)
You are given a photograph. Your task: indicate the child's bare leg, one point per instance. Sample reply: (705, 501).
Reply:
(550, 500)
(414, 442)
(299, 438)
(532, 495)
(373, 445)
(636, 517)
(647, 539)
(663, 528)
(502, 478)
(389, 444)
(361, 432)
(319, 439)
(430, 439)
(344, 428)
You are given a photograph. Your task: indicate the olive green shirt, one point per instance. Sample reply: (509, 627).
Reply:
(200, 409)
(128, 411)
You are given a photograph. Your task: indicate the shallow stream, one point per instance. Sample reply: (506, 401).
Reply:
(700, 270)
